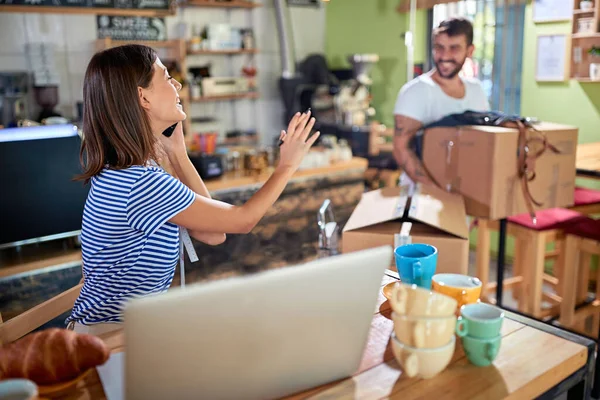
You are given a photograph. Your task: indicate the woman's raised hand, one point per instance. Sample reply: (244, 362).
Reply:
(296, 141)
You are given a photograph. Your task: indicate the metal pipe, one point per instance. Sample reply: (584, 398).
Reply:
(288, 65)
(409, 41)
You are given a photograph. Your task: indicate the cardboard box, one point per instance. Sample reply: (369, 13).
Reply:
(480, 162)
(429, 215)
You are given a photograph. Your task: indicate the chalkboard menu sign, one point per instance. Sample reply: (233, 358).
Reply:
(131, 28)
(108, 4)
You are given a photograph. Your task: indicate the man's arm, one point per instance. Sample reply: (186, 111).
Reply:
(405, 129)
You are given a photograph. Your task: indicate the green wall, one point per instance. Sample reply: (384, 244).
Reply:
(374, 26)
(571, 102)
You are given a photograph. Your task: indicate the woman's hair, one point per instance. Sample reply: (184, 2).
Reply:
(116, 129)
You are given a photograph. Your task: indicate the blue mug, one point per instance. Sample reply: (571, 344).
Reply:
(416, 263)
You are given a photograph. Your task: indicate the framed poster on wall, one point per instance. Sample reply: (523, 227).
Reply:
(552, 10)
(552, 60)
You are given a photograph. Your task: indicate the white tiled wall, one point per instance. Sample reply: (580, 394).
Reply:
(73, 37)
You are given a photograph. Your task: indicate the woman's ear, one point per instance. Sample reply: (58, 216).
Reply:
(143, 100)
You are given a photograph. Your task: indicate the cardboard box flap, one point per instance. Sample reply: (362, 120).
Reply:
(428, 204)
(439, 209)
(378, 206)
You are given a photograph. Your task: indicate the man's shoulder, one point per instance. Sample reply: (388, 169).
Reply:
(421, 83)
(473, 82)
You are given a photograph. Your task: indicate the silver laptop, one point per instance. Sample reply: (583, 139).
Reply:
(261, 336)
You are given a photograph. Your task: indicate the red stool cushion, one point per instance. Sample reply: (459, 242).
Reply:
(586, 228)
(585, 196)
(551, 218)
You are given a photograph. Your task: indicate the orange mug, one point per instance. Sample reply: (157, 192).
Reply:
(463, 288)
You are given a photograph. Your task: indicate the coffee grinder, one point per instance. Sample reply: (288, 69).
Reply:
(47, 98)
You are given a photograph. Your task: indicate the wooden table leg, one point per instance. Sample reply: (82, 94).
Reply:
(482, 256)
(569, 278)
(517, 268)
(535, 272)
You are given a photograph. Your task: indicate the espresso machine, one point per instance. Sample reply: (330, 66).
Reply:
(353, 102)
(14, 97)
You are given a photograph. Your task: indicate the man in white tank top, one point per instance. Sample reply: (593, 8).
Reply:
(436, 94)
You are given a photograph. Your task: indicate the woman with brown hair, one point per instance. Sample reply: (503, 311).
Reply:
(129, 238)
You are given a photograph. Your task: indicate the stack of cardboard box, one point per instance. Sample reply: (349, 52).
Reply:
(479, 165)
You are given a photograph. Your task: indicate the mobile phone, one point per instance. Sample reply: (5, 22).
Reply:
(169, 131)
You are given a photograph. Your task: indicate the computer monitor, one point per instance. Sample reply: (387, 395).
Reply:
(39, 200)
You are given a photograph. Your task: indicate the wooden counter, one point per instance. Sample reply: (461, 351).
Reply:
(234, 180)
(286, 235)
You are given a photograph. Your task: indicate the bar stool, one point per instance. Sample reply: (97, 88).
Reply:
(530, 256)
(582, 240)
(587, 202)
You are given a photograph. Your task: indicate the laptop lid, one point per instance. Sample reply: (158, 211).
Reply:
(261, 336)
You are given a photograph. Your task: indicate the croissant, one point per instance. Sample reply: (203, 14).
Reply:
(52, 356)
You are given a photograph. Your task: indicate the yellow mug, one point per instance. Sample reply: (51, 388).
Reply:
(463, 288)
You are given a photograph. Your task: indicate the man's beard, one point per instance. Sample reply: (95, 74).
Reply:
(454, 72)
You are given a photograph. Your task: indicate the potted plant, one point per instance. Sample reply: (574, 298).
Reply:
(594, 53)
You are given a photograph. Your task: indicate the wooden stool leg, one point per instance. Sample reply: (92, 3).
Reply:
(596, 316)
(559, 263)
(482, 255)
(585, 261)
(535, 276)
(595, 324)
(517, 291)
(569, 280)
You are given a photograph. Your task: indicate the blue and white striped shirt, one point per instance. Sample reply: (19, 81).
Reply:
(129, 247)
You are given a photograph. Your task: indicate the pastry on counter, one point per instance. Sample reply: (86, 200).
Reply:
(52, 356)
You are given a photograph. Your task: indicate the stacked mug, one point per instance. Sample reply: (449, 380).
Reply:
(464, 289)
(423, 340)
(479, 327)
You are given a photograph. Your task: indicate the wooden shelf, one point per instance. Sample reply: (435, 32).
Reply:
(238, 96)
(586, 35)
(219, 52)
(578, 11)
(123, 12)
(149, 43)
(221, 4)
(582, 42)
(241, 140)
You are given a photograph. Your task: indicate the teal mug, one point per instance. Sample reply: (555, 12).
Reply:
(481, 352)
(416, 263)
(479, 320)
